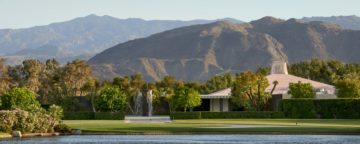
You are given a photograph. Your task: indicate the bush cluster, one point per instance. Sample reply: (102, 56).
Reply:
(37, 120)
(222, 115)
(62, 128)
(322, 108)
(185, 115)
(94, 116)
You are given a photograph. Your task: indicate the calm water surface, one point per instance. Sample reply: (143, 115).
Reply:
(190, 139)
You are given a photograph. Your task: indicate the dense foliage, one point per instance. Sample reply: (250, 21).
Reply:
(51, 83)
(94, 115)
(22, 98)
(29, 121)
(322, 108)
(348, 87)
(185, 98)
(301, 90)
(323, 71)
(111, 99)
(249, 91)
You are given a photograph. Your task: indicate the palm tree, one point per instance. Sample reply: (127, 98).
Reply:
(275, 83)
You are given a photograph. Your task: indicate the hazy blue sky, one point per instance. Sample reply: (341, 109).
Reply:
(26, 13)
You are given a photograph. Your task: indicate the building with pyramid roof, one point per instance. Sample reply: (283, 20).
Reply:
(219, 101)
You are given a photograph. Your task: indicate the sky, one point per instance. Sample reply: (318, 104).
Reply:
(29, 13)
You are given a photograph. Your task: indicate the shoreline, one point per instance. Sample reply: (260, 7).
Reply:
(84, 133)
(29, 135)
(216, 133)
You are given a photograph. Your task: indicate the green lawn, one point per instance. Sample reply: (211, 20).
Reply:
(221, 126)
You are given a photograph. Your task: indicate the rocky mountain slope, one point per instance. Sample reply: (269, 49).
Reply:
(81, 36)
(200, 51)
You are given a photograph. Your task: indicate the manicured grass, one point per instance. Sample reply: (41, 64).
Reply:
(222, 126)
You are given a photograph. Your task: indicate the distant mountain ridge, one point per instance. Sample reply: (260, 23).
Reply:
(86, 36)
(347, 22)
(82, 36)
(200, 51)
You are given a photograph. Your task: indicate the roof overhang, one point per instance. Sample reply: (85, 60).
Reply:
(214, 97)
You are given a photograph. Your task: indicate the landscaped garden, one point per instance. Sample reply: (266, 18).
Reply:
(34, 97)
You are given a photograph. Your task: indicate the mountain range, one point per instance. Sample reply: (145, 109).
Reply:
(84, 37)
(200, 51)
(347, 22)
(81, 37)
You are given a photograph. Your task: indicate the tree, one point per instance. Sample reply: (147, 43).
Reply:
(111, 99)
(348, 87)
(33, 69)
(185, 98)
(5, 80)
(218, 82)
(192, 99)
(74, 76)
(248, 91)
(22, 98)
(275, 83)
(49, 81)
(301, 90)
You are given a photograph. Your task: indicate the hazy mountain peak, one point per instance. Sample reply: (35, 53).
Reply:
(346, 22)
(90, 34)
(268, 20)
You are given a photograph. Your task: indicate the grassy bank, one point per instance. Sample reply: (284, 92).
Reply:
(221, 126)
(4, 135)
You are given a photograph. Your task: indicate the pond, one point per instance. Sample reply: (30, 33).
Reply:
(187, 139)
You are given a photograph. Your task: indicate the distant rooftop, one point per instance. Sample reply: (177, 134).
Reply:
(280, 74)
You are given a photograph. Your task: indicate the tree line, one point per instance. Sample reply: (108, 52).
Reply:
(53, 83)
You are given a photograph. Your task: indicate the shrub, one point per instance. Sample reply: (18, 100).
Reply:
(92, 115)
(62, 128)
(225, 115)
(78, 115)
(56, 112)
(322, 108)
(245, 114)
(348, 87)
(185, 115)
(25, 121)
(109, 115)
(36, 120)
(301, 90)
(299, 108)
(111, 99)
(7, 121)
(19, 98)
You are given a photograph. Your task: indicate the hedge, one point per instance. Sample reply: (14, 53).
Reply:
(94, 116)
(78, 115)
(248, 114)
(224, 115)
(109, 115)
(185, 115)
(322, 108)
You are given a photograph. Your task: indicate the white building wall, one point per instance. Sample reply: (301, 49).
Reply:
(215, 105)
(226, 105)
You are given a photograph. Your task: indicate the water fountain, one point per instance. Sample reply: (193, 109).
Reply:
(138, 104)
(143, 109)
(149, 97)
